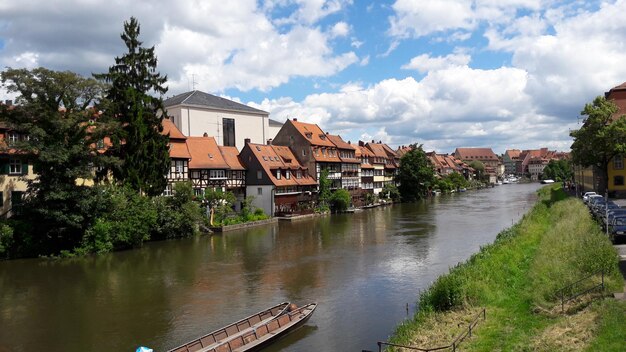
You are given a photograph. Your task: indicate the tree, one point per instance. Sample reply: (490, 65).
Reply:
(340, 200)
(138, 141)
(457, 180)
(390, 191)
(220, 202)
(54, 115)
(600, 139)
(324, 190)
(416, 174)
(559, 170)
(479, 167)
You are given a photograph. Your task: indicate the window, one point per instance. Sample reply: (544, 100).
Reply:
(618, 180)
(299, 174)
(100, 144)
(213, 174)
(12, 137)
(259, 191)
(228, 125)
(618, 162)
(15, 166)
(278, 174)
(198, 192)
(288, 174)
(195, 174)
(168, 190)
(303, 152)
(16, 199)
(259, 175)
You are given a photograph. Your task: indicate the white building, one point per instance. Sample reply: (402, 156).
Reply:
(197, 114)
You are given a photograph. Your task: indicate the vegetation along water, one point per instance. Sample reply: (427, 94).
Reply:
(517, 280)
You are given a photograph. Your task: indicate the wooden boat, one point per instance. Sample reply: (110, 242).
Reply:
(264, 333)
(235, 329)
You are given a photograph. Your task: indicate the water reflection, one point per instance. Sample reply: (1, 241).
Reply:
(361, 268)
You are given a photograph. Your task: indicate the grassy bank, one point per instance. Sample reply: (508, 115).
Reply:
(517, 278)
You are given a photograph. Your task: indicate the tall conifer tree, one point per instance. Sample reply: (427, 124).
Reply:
(138, 141)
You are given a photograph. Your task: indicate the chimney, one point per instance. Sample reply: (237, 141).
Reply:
(205, 134)
(269, 141)
(295, 119)
(361, 144)
(246, 141)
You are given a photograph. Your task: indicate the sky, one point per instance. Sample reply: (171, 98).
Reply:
(504, 74)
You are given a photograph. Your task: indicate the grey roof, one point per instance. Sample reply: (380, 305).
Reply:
(275, 123)
(199, 98)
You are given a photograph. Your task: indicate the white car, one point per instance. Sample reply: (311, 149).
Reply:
(586, 196)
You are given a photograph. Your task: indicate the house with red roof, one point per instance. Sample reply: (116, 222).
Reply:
(312, 148)
(179, 156)
(509, 159)
(280, 185)
(350, 168)
(367, 169)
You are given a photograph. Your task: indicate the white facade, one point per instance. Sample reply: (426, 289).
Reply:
(196, 121)
(263, 197)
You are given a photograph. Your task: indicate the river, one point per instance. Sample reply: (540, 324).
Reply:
(362, 269)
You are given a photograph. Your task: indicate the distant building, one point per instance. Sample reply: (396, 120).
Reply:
(197, 113)
(350, 168)
(485, 155)
(509, 159)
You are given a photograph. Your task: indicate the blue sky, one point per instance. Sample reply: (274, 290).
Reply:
(448, 73)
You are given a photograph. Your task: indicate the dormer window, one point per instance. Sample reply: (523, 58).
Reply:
(210, 156)
(278, 174)
(258, 148)
(322, 137)
(309, 135)
(288, 174)
(299, 174)
(264, 158)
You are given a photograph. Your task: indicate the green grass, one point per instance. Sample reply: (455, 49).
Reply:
(611, 334)
(516, 279)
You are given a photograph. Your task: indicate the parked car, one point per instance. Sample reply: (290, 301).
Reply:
(613, 213)
(617, 228)
(591, 197)
(586, 196)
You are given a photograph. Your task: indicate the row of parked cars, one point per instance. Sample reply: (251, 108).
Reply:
(609, 215)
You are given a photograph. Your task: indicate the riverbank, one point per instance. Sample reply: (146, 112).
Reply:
(516, 280)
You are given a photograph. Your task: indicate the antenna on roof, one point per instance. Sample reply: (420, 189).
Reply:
(193, 81)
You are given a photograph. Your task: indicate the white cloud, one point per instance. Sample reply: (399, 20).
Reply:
(340, 29)
(231, 44)
(424, 63)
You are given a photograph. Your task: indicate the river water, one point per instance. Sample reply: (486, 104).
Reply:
(361, 268)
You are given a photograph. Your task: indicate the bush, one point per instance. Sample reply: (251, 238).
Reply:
(6, 240)
(340, 200)
(446, 293)
(179, 215)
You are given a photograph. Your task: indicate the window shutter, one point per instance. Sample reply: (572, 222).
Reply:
(4, 167)
(25, 167)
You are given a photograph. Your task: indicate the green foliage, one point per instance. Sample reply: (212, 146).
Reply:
(558, 170)
(479, 167)
(416, 175)
(457, 180)
(55, 110)
(138, 139)
(221, 202)
(178, 215)
(324, 191)
(601, 137)
(6, 240)
(390, 191)
(370, 198)
(340, 200)
(550, 247)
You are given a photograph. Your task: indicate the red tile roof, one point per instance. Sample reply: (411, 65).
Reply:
(475, 154)
(272, 157)
(231, 156)
(313, 133)
(205, 154)
(169, 127)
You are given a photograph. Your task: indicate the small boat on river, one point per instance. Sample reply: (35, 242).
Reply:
(220, 335)
(254, 332)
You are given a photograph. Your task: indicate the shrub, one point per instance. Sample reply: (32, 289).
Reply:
(340, 200)
(6, 240)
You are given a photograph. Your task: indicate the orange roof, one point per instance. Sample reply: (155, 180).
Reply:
(205, 154)
(313, 133)
(272, 157)
(339, 142)
(324, 154)
(357, 150)
(377, 149)
(513, 153)
(231, 156)
(475, 154)
(169, 127)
